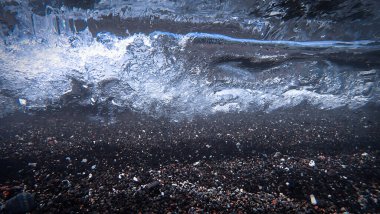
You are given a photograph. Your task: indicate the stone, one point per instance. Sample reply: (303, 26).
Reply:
(312, 163)
(277, 154)
(313, 200)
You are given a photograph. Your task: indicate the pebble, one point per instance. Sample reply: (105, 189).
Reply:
(121, 175)
(312, 163)
(66, 182)
(32, 164)
(313, 200)
(151, 185)
(277, 154)
(196, 163)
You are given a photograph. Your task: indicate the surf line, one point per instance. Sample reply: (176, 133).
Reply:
(219, 38)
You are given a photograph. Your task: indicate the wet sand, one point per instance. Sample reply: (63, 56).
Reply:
(226, 163)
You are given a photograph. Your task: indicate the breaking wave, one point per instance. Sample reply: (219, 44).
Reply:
(179, 75)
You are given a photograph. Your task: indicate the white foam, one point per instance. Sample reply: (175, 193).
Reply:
(151, 79)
